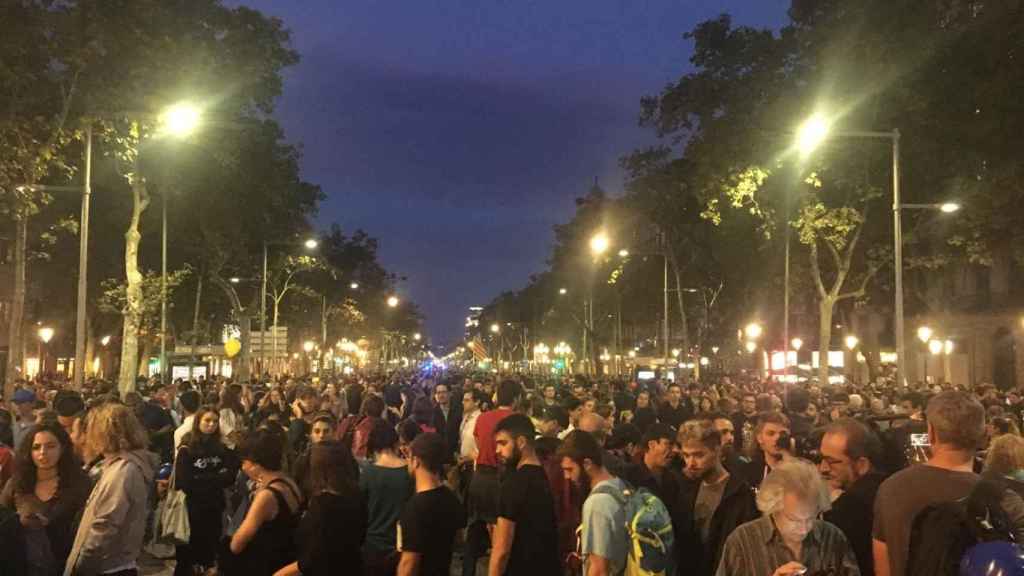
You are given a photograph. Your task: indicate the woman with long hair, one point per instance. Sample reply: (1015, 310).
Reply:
(386, 486)
(331, 533)
(203, 469)
(48, 490)
(264, 543)
(113, 524)
(232, 414)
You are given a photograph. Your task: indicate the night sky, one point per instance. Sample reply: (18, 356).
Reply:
(458, 132)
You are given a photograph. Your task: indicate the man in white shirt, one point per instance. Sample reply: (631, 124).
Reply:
(190, 405)
(471, 401)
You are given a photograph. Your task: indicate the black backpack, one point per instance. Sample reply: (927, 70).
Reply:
(943, 532)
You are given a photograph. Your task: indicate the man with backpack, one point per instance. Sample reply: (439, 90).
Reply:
(956, 428)
(620, 527)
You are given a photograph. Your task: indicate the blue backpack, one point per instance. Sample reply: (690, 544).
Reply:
(650, 531)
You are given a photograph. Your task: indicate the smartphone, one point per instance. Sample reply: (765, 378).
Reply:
(919, 440)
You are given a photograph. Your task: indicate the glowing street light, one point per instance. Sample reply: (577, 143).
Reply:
(392, 301)
(495, 328)
(46, 334)
(234, 279)
(851, 342)
(947, 347)
(811, 134)
(354, 286)
(181, 119)
(417, 336)
(105, 340)
(753, 331)
(623, 253)
(949, 207)
(704, 361)
(797, 344)
(308, 346)
(935, 347)
(751, 346)
(924, 334)
(311, 244)
(562, 291)
(632, 353)
(599, 243)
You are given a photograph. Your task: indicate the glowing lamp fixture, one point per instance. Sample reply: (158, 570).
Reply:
(753, 331)
(308, 345)
(811, 134)
(46, 334)
(311, 244)
(924, 334)
(562, 291)
(947, 347)
(392, 301)
(949, 207)
(105, 340)
(935, 346)
(495, 328)
(181, 119)
(797, 344)
(751, 346)
(598, 244)
(417, 336)
(852, 341)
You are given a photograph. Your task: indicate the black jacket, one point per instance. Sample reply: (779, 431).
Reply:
(736, 507)
(853, 513)
(753, 471)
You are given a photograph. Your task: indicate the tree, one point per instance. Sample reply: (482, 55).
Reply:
(40, 82)
(152, 53)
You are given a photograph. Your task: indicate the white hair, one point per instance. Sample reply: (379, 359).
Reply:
(794, 476)
(856, 401)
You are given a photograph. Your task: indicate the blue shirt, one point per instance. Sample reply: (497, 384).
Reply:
(604, 527)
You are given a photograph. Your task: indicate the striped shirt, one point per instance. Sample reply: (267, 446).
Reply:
(756, 549)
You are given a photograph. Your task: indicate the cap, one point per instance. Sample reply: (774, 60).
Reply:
(23, 396)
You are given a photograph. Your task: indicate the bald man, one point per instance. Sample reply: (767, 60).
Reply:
(593, 423)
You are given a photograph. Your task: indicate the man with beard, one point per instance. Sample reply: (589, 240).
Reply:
(711, 503)
(674, 411)
(770, 425)
(744, 421)
(731, 459)
(604, 541)
(849, 451)
(525, 539)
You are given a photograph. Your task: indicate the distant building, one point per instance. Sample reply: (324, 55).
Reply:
(473, 321)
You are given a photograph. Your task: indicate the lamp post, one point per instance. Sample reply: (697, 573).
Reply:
(45, 334)
(812, 134)
(924, 334)
(179, 121)
(599, 244)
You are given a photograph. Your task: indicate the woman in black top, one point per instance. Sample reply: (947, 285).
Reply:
(48, 490)
(331, 533)
(264, 542)
(204, 468)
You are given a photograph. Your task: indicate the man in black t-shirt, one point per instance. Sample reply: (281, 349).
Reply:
(430, 519)
(526, 535)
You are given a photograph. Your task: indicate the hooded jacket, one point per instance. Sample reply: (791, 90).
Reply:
(113, 523)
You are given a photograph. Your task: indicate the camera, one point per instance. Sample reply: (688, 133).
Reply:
(800, 446)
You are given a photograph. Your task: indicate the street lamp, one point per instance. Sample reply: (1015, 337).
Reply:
(935, 347)
(924, 334)
(562, 291)
(810, 135)
(851, 342)
(354, 286)
(599, 244)
(623, 253)
(417, 336)
(311, 244)
(797, 344)
(753, 331)
(947, 347)
(105, 340)
(495, 328)
(181, 119)
(308, 346)
(392, 301)
(45, 334)
(751, 346)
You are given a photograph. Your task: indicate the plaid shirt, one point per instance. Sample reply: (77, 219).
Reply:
(756, 549)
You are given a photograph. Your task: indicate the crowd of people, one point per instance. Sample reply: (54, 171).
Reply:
(410, 472)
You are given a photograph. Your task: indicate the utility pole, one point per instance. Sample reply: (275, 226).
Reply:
(83, 265)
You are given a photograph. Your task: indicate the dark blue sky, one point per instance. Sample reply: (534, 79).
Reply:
(458, 132)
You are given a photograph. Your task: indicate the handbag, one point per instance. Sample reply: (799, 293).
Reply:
(174, 526)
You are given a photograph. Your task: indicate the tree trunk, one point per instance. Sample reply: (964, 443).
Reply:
(274, 362)
(684, 324)
(142, 364)
(195, 324)
(825, 308)
(90, 350)
(15, 334)
(133, 291)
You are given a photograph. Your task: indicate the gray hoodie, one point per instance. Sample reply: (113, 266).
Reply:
(113, 523)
